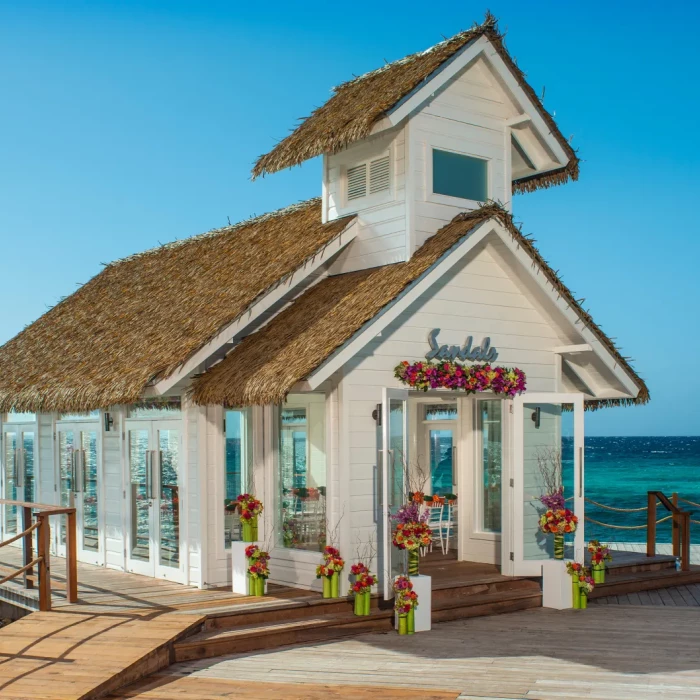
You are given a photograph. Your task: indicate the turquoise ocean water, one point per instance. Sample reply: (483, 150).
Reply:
(620, 471)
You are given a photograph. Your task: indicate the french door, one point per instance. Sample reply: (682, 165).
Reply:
(80, 481)
(393, 479)
(18, 473)
(548, 436)
(154, 481)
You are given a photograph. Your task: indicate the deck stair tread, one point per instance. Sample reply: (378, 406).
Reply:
(344, 620)
(645, 580)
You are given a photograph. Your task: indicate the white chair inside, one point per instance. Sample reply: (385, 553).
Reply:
(435, 515)
(447, 525)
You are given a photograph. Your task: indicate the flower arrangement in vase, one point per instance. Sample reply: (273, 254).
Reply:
(455, 376)
(405, 604)
(411, 533)
(577, 572)
(258, 569)
(249, 508)
(329, 571)
(586, 584)
(558, 522)
(362, 587)
(599, 555)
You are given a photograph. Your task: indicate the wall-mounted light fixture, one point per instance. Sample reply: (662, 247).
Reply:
(109, 421)
(377, 415)
(536, 417)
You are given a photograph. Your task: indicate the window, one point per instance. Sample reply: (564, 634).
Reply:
(20, 418)
(238, 468)
(457, 175)
(491, 428)
(302, 473)
(369, 178)
(161, 408)
(440, 422)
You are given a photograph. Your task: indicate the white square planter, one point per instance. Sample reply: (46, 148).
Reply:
(556, 585)
(239, 567)
(423, 586)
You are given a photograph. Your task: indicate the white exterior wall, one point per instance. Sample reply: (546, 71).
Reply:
(467, 116)
(382, 217)
(114, 490)
(477, 298)
(46, 491)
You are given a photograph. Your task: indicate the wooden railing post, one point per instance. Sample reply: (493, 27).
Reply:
(71, 558)
(685, 542)
(28, 547)
(676, 531)
(651, 523)
(44, 539)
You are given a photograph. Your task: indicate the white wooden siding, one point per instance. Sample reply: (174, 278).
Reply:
(113, 451)
(477, 298)
(382, 219)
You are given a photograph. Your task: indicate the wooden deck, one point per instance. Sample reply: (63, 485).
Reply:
(675, 597)
(600, 653)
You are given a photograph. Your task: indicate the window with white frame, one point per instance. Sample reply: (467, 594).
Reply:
(301, 472)
(369, 178)
(460, 175)
(238, 468)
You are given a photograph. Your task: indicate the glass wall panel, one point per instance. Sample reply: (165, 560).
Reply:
(168, 456)
(302, 473)
(21, 418)
(66, 470)
(491, 427)
(90, 523)
(140, 531)
(459, 175)
(166, 408)
(238, 472)
(441, 462)
(11, 467)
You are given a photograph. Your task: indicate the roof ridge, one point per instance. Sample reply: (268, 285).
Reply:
(222, 230)
(490, 24)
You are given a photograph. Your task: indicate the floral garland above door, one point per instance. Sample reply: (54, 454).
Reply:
(469, 378)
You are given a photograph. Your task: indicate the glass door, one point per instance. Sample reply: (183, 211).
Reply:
(18, 473)
(154, 463)
(548, 473)
(79, 487)
(393, 479)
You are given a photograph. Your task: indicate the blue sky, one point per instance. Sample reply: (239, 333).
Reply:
(125, 124)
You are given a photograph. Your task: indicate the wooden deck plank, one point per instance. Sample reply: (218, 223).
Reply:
(645, 651)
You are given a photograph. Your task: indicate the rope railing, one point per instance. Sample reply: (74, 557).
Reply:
(617, 510)
(685, 500)
(625, 527)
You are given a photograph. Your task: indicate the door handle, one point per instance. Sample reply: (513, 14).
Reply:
(149, 474)
(391, 476)
(74, 471)
(454, 468)
(19, 467)
(158, 475)
(83, 475)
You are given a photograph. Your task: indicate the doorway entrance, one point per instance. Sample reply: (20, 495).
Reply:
(154, 482)
(18, 474)
(80, 487)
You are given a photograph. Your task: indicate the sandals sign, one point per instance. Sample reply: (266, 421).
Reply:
(481, 353)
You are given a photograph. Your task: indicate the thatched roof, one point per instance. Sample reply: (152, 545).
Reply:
(265, 366)
(142, 317)
(358, 105)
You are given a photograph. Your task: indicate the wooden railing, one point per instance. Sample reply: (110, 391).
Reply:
(680, 534)
(43, 513)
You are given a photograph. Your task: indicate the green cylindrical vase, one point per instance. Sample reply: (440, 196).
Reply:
(575, 594)
(259, 586)
(412, 621)
(326, 586)
(335, 585)
(598, 573)
(413, 559)
(584, 600)
(558, 546)
(403, 623)
(367, 602)
(359, 604)
(249, 530)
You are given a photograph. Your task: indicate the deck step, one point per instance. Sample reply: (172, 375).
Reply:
(276, 633)
(314, 606)
(658, 563)
(645, 581)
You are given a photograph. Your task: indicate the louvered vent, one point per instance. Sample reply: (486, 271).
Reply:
(357, 181)
(379, 175)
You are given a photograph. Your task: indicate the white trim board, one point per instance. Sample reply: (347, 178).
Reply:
(255, 310)
(440, 268)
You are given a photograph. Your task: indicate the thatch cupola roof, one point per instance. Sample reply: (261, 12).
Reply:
(358, 105)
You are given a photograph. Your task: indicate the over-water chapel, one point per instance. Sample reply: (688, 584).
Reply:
(288, 355)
